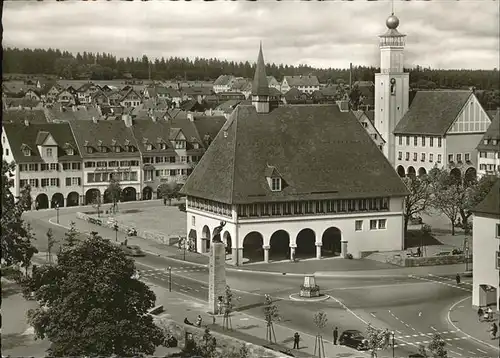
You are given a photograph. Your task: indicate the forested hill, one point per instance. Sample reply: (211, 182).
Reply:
(104, 66)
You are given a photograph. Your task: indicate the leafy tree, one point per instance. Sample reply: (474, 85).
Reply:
(422, 351)
(228, 307)
(25, 200)
(92, 305)
(17, 247)
(376, 339)
(418, 199)
(114, 191)
(437, 347)
(320, 321)
(206, 347)
(271, 315)
(354, 97)
(71, 236)
(169, 191)
(233, 352)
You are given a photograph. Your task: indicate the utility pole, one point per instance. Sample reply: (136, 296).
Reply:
(350, 76)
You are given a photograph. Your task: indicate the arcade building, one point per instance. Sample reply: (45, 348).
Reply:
(294, 182)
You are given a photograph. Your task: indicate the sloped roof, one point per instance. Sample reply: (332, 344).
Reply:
(19, 134)
(152, 131)
(203, 91)
(19, 116)
(23, 102)
(432, 112)
(260, 86)
(293, 93)
(229, 105)
(41, 137)
(329, 91)
(493, 132)
(210, 125)
(308, 80)
(223, 80)
(347, 163)
(80, 113)
(491, 203)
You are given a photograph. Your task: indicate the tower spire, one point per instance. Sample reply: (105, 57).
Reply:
(260, 87)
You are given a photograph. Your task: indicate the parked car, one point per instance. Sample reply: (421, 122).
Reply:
(132, 250)
(354, 339)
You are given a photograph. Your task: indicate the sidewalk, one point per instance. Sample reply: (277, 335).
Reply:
(245, 327)
(465, 318)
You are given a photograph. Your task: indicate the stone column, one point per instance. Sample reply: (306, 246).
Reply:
(216, 275)
(292, 253)
(266, 253)
(318, 250)
(237, 256)
(343, 248)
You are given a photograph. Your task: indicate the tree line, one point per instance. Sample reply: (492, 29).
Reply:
(106, 66)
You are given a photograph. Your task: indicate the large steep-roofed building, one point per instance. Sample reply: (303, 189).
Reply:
(294, 181)
(488, 160)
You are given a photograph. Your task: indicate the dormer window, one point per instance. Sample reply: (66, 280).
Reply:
(26, 152)
(163, 146)
(180, 144)
(276, 184)
(196, 146)
(90, 150)
(70, 151)
(149, 146)
(117, 149)
(485, 142)
(130, 148)
(494, 142)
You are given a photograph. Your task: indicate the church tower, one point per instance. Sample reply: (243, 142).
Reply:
(260, 87)
(392, 86)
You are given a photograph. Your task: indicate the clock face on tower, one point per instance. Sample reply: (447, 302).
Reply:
(393, 80)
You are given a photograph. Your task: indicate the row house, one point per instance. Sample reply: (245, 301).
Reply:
(130, 99)
(47, 159)
(306, 84)
(223, 83)
(279, 204)
(67, 97)
(366, 120)
(440, 129)
(488, 159)
(86, 91)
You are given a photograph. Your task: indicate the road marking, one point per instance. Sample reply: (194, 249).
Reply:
(480, 350)
(420, 314)
(373, 315)
(455, 352)
(460, 348)
(439, 282)
(449, 279)
(434, 329)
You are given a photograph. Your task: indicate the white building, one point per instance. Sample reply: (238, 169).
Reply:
(486, 250)
(440, 129)
(223, 83)
(367, 122)
(295, 181)
(306, 84)
(488, 159)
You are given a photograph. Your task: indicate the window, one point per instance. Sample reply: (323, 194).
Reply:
(431, 141)
(373, 224)
(54, 182)
(23, 183)
(6, 151)
(276, 184)
(422, 158)
(439, 158)
(423, 141)
(117, 149)
(44, 167)
(400, 140)
(494, 141)
(439, 142)
(90, 164)
(485, 142)
(102, 164)
(498, 260)
(45, 182)
(180, 144)
(407, 140)
(407, 156)
(467, 157)
(431, 157)
(147, 160)
(26, 152)
(415, 157)
(193, 220)
(33, 168)
(54, 166)
(415, 141)
(482, 154)
(498, 231)
(381, 224)
(172, 159)
(90, 150)
(358, 225)
(148, 175)
(482, 166)
(459, 158)
(49, 152)
(149, 147)
(34, 183)
(183, 159)
(113, 163)
(450, 158)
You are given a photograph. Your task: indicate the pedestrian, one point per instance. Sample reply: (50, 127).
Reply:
(480, 313)
(198, 321)
(490, 313)
(493, 330)
(37, 205)
(296, 340)
(419, 252)
(165, 200)
(335, 335)
(457, 278)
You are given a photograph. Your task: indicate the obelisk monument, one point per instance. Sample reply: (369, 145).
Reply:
(216, 270)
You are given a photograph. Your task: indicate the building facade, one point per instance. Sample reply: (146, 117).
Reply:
(488, 159)
(486, 251)
(306, 84)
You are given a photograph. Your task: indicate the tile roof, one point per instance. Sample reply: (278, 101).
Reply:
(90, 133)
(23, 102)
(260, 86)
(432, 112)
(154, 133)
(492, 133)
(228, 106)
(308, 80)
(193, 91)
(223, 80)
(210, 125)
(19, 134)
(491, 203)
(347, 163)
(19, 116)
(79, 113)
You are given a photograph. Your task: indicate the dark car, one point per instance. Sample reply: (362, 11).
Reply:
(354, 339)
(132, 250)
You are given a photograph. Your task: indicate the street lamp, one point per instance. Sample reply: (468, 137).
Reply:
(57, 212)
(393, 345)
(467, 259)
(115, 227)
(170, 279)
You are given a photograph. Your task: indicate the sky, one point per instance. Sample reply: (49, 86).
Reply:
(440, 33)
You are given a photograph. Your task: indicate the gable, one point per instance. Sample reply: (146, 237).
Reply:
(49, 141)
(471, 119)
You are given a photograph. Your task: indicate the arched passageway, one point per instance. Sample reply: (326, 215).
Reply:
(73, 199)
(58, 199)
(401, 171)
(42, 201)
(91, 196)
(455, 175)
(129, 194)
(279, 245)
(226, 239)
(421, 171)
(147, 193)
(470, 176)
(252, 247)
(331, 240)
(411, 172)
(206, 237)
(306, 244)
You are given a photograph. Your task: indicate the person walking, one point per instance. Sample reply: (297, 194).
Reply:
(493, 330)
(296, 340)
(419, 252)
(490, 313)
(457, 278)
(198, 321)
(480, 313)
(335, 335)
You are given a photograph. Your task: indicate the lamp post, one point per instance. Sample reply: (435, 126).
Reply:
(467, 259)
(57, 212)
(115, 227)
(170, 279)
(184, 242)
(393, 345)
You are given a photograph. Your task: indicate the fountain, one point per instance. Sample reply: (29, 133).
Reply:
(309, 289)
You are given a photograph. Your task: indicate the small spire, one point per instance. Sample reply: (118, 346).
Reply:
(260, 86)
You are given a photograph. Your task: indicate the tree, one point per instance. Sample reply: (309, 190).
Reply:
(354, 97)
(25, 200)
(376, 339)
(320, 321)
(71, 236)
(114, 191)
(92, 305)
(17, 247)
(418, 199)
(169, 191)
(436, 347)
(271, 315)
(206, 347)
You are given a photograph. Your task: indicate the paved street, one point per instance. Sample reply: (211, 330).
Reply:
(414, 307)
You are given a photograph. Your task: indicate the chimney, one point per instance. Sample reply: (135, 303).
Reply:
(26, 123)
(127, 120)
(190, 117)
